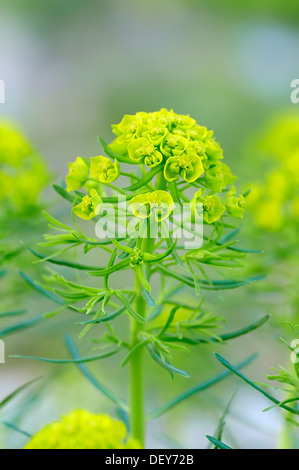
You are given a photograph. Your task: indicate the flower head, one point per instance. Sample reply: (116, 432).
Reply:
(185, 148)
(159, 202)
(136, 258)
(212, 207)
(81, 429)
(78, 174)
(218, 176)
(144, 151)
(89, 207)
(235, 205)
(103, 169)
(187, 166)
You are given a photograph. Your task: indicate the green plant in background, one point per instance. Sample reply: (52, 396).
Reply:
(274, 207)
(23, 176)
(162, 160)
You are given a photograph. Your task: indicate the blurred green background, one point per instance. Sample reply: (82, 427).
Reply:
(73, 68)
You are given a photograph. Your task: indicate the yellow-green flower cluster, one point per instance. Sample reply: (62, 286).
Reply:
(186, 149)
(23, 174)
(81, 429)
(275, 202)
(100, 169)
(177, 148)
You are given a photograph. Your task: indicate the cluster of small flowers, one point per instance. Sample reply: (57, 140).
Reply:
(23, 174)
(81, 429)
(186, 149)
(275, 202)
(174, 143)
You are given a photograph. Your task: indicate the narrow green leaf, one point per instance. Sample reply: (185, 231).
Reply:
(147, 297)
(129, 307)
(244, 250)
(75, 354)
(21, 326)
(67, 361)
(13, 313)
(218, 444)
(144, 282)
(194, 276)
(111, 269)
(54, 221)
(92, 242)
(169, 321)
(131, 244)
(169, 243)
(103, 319)
(235, 371)
(213, 285)
(146, 179)
(121, 247)
(134, 350)
(174, 192)
(40, 289)
(223, 337)
(62, 262)
(164, 363)
(230, 235)
(15, 428)
(17, 392)
(63, 193)
(244, 331)
(196, 389)
(148, 258)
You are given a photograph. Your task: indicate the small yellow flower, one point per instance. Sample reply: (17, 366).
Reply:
(160, 203)
(235, 205)
(89, 207)
(187, 166)
(78, 174)
(103, 169)
(210, 207)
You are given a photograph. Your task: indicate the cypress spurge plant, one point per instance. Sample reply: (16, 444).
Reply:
(160, 164)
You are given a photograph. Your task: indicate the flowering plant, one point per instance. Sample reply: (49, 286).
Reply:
(162, 162)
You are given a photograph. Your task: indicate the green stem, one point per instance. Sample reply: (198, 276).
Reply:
(137, 412)
(161, 182)
(137, 402)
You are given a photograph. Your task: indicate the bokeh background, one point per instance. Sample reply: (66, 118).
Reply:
(71, 69)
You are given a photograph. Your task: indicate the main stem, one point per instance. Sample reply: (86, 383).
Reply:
(137, 408)
(137, 413)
